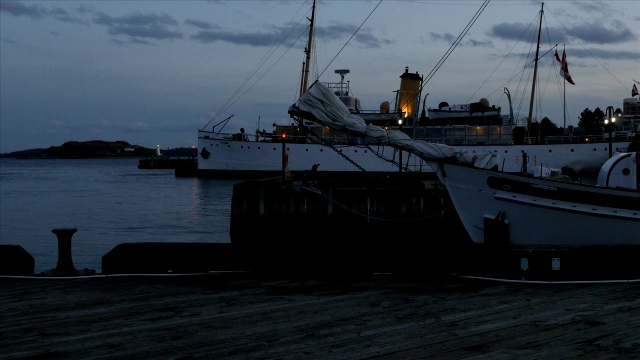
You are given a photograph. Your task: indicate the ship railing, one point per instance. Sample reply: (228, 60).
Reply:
(204, 134)
(465, 135)
(268, 137)
(566, 139)
(338, 88)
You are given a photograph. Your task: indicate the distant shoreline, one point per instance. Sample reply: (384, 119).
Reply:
(97, 149)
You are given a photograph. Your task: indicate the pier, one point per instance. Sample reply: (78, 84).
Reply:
(250, 316)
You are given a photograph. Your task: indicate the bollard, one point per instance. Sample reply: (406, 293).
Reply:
(65, 263)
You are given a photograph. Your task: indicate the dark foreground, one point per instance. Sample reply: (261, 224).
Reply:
(252, 316)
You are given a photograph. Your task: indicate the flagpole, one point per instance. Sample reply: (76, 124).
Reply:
(564, 101)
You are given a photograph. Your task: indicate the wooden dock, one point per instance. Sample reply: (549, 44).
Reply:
(261, 316)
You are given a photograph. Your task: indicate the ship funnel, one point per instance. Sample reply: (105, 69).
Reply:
(409, 94)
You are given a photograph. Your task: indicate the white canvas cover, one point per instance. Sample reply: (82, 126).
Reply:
(328, 110)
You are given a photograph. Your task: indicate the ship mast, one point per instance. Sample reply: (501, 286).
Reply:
(535, 73)
(305, 74)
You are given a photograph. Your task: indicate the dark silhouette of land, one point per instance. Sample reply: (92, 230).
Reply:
(95, 149)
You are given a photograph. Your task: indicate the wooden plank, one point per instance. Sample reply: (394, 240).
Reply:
(238, 316)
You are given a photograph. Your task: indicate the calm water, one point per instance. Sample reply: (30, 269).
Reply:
(109, 201)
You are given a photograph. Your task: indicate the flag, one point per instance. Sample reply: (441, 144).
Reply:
(564, 68)
(634, 90)
(558, 57)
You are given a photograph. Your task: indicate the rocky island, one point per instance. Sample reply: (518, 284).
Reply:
(94, 149)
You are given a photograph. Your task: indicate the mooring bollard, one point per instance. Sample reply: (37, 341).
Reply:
(65, 263)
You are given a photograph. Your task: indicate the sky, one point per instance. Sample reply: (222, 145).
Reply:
(154, 72)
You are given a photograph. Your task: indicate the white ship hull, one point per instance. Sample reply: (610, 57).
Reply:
(252, 159)
(227, 157)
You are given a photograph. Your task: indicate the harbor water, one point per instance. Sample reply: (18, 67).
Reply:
(109, 201)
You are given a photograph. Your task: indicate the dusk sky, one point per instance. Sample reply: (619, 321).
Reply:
(154, 72)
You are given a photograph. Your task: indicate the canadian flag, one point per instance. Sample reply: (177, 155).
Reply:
(634, 90)
(564, 68)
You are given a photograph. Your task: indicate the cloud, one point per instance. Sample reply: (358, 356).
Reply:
(598, 34)
(140, 27)
(364, 36)
(199, 24)
(254, 39)
(36, 11)
(16, 8)
(289, 35)
(369, 41)
(477, 43)
(144, 29)
(598, 7)
(590, 33)
(516, 31)
(449, 39)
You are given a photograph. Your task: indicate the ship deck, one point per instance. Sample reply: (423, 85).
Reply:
(243, 315)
